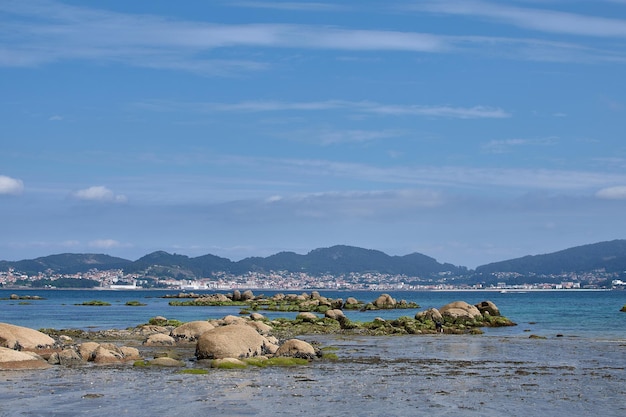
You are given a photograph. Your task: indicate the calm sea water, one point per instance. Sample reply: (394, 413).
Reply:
(503, 372)
(582, 313)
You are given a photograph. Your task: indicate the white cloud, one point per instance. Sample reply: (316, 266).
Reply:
(99, 193)
(55, 118)
(10, 185)
(612, 193)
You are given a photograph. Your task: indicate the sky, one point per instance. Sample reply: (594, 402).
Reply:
(468, 131)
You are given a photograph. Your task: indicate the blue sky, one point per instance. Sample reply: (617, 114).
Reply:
(469, 131)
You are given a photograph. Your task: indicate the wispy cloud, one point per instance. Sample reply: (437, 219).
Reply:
(475, 112)
(303, 6)
(41, 32)
(10, 186)
(507, 145)
(100, 194)
(106, 244)
(543, 20)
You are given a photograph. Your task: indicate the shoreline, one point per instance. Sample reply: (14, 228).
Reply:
(491, 290)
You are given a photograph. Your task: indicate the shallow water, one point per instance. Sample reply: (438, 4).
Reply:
(502, 372)
(437, 375)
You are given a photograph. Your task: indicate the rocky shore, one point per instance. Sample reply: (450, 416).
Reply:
(233, 341)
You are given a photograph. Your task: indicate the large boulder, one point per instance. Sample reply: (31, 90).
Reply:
(460, 310)
(166, 362)
(334, 314)
(160, 339)
(307, 316)
(247, 295)
(18, 338)
(260, 327)
(12, 359)
(431, 314)
(232, 341)
(488, 307)
(106, 356)
(385, 301)
(296, 348)
(191, 331)
(66, 357)
(87, 350)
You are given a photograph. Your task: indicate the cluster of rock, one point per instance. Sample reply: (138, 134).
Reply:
(288, 302)
(231, 338)
(24, 297)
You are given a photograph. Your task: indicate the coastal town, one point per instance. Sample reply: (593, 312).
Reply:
(116, 279)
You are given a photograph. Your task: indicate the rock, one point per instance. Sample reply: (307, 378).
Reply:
(260, 327)
(18, 338)
(384, 301)
(257, 316)
(166, 362)
(488, 307)
(431, 314)
(12, 359)
(219, 298)
(232, 341)
(159, 339)
(230, 319)
(307, 316)
(66, 357)
(150, 329)
(247, 295)
(130, 353)
(87, 350)
(191, 331)
(228, 362)
(14, 297)
(104, 356)
(334, 314)
(236, 295)
(310, 303)
(351, 301)
(296, 348)
(460, 309)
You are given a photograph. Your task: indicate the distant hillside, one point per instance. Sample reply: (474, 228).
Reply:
(336, 260)
(604, 255)
(333, 260)
(66, 263)
(342, 259)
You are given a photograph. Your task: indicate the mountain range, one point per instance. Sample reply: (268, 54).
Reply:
(609, 256)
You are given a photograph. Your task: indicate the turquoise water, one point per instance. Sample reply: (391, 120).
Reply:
(502, 372)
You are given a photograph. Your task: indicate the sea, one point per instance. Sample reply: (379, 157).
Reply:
(565, 357)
